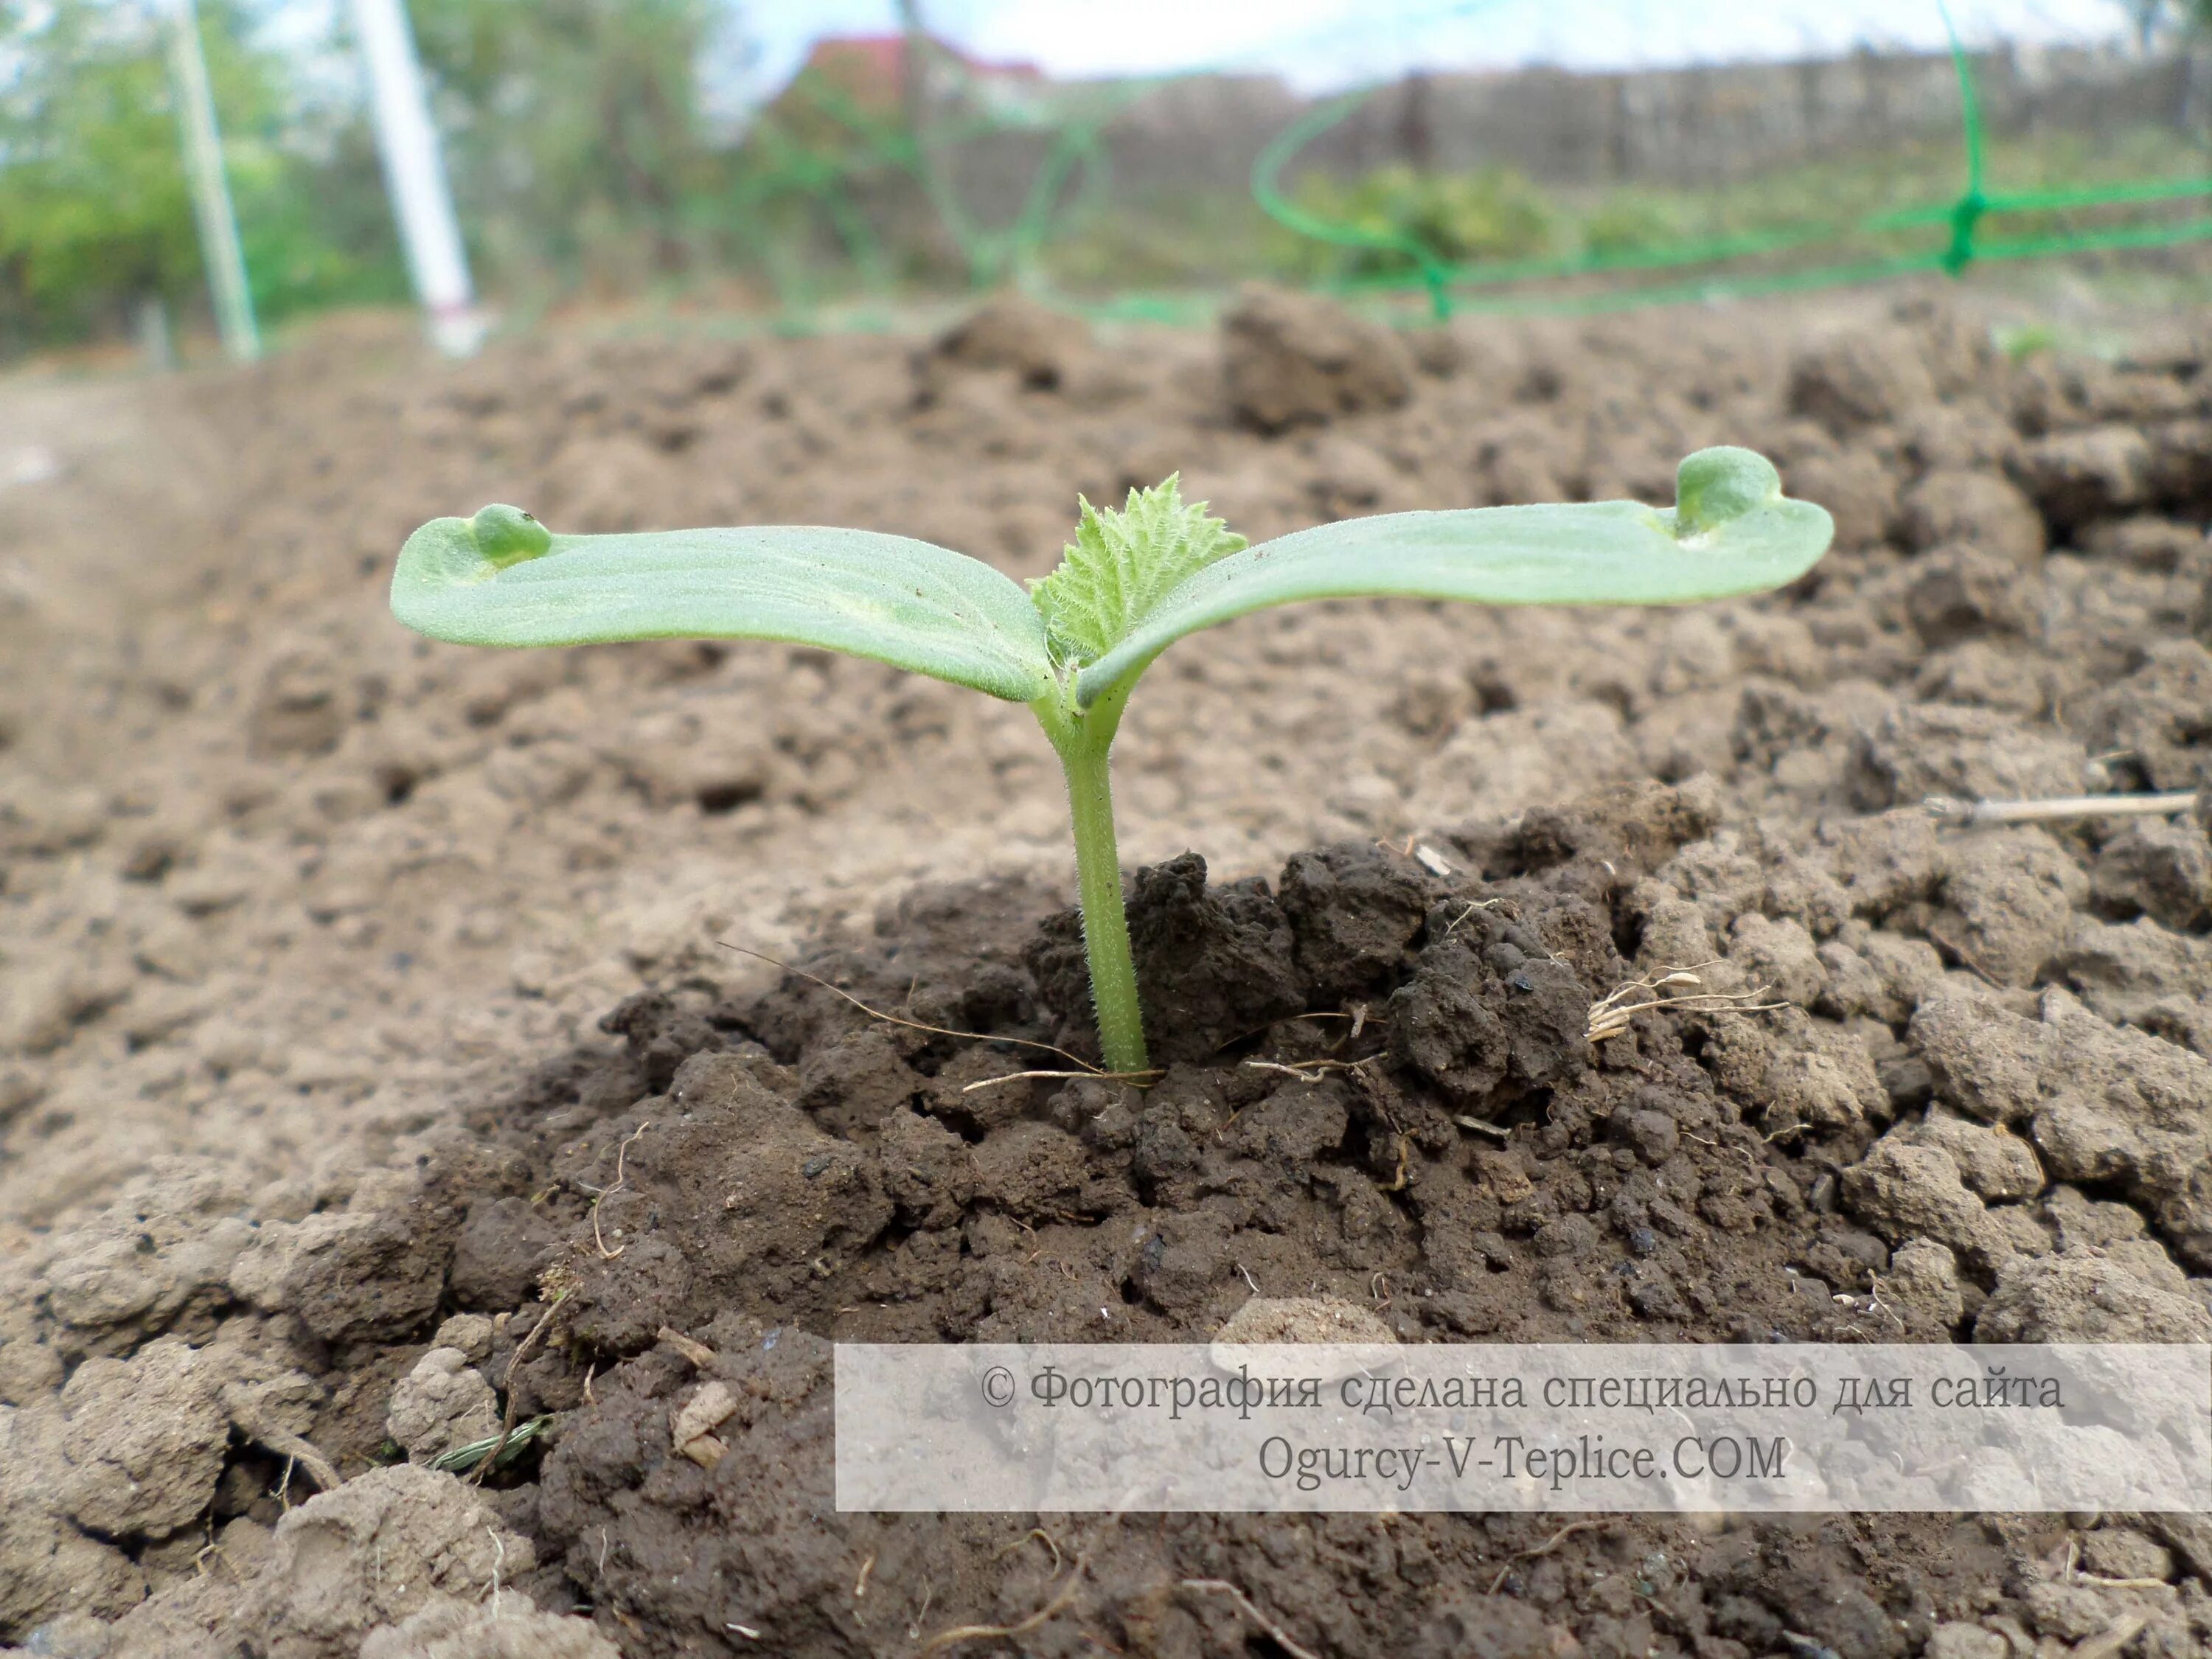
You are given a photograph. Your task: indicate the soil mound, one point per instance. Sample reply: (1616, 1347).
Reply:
(641, 1257)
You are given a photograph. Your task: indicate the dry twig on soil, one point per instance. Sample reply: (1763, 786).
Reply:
(697, 1352)
(1974, 814)
(506, 1429)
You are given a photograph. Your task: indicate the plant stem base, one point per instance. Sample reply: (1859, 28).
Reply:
(1083, 748)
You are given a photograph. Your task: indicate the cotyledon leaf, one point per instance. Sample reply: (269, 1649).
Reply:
(502, 579)
(1732, 531)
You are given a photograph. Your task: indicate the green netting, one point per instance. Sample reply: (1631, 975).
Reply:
(1963, 218)
(846, 151)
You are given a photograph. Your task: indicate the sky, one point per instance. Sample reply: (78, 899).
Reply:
(1322, 44)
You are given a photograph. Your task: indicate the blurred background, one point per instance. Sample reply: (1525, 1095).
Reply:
(840, 163)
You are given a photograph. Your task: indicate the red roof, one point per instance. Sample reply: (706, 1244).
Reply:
(871, 68)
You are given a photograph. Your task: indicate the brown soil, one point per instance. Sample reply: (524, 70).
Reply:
(371, 1075)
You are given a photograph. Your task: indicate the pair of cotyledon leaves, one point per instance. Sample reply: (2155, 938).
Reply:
(1133, 583)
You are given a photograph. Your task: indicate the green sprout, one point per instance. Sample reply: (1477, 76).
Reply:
(1073, 646)
(504, 1447)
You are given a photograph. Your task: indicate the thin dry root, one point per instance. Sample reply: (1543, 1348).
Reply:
(1089, 1070)
(1095, 1076)
(1545, 1548)
(274, 1440)
(622, 1157)
(1611, 1015)
(1043, 1538)
(1276, 1633)
(1306, 1071)
(2115, 1635)
(945, 1638)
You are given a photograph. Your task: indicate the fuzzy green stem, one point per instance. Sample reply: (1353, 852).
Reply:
(1105, 927)
(1084, 741)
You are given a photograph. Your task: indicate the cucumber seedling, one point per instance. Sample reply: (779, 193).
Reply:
(1073, 646)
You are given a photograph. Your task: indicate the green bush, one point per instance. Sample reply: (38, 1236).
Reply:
(1626, 223)
(1493, 214)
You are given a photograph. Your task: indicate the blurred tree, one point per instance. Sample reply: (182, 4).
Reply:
(579, 143)
(94, 218)
(2187, 23)
(2155, 19)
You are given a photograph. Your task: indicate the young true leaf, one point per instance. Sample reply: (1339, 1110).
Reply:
(1135, 581)
(1122, 564)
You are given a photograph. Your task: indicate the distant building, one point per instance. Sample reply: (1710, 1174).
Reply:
(870, 72)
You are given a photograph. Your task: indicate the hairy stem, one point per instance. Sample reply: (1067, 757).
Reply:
(1084, 743)
(1105, 927)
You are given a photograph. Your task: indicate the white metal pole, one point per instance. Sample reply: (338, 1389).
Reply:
(415, 172)
(218, 222)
